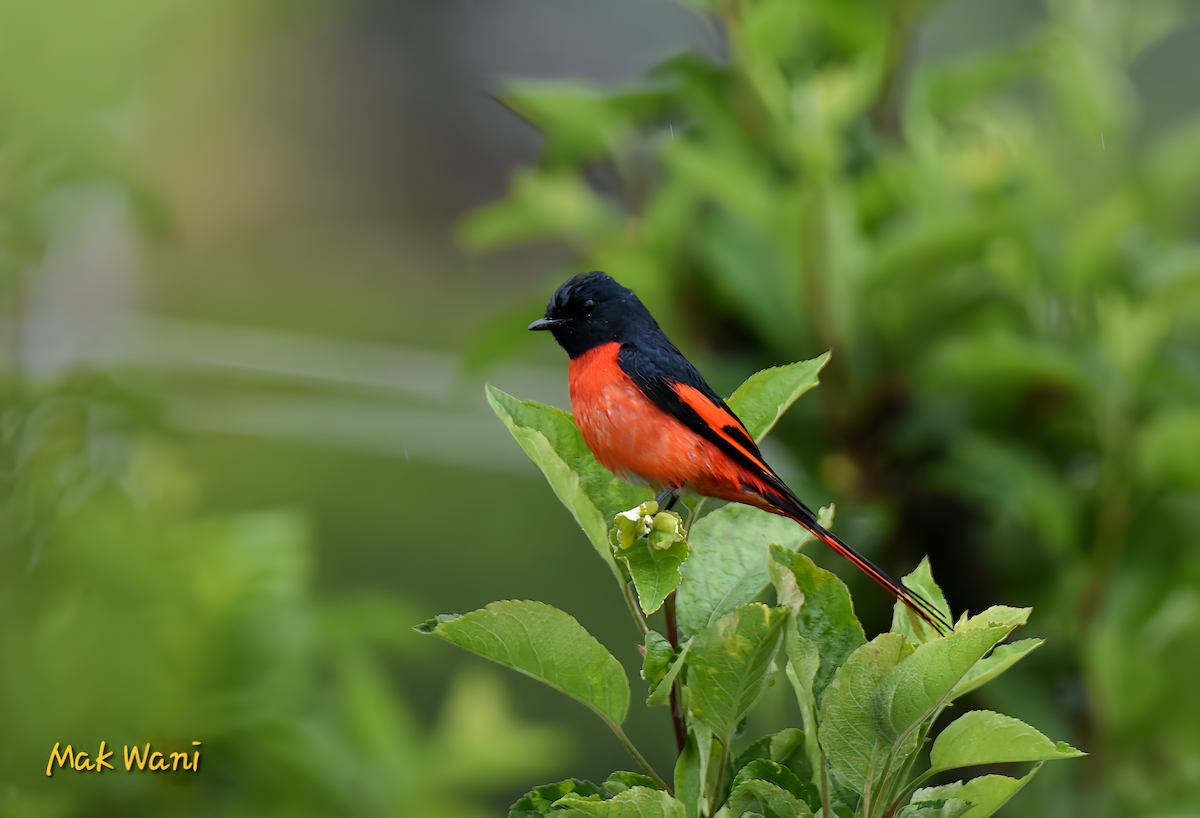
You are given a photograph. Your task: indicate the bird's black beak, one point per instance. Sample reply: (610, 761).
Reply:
(546, 323)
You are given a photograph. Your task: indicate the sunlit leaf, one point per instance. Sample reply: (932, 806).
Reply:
(589, 491)
(728, 565)
(905, 620)
(758, 796)
(800, 794)
(620, 781)
(939, 808)
(545, 643)
(801, 668)
(987, 792)
(997, 615)
(540, 800)
(655, 571)
(984, 737)
(730, 665)
(1000, 660)
(636, 802)
(826, 618)
(918, 685)
(766, 395)
(847, 728)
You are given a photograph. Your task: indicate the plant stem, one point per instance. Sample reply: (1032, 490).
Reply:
(716, 793)
(676, 711)
(634, 609)
(633, 751)
(827, 808)
(870, 777)
(885, 113)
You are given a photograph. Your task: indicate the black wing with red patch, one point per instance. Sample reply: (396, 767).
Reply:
(673, 384)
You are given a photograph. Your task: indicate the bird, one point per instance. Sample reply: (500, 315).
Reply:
(648, 416)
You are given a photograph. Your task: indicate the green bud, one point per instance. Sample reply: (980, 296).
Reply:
(634, 523)
(658, 657)
(667, 529)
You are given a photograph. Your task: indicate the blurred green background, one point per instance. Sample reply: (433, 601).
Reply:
(258, 257)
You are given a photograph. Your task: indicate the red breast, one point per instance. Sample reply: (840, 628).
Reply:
(635, 439)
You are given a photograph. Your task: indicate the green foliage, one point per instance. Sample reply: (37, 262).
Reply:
(730, 665)
(729, 562)
(545, 643)
(853, 753)
(763, 398)
(127, 617)
(652, 547)
(552, 441)
(1002, 260)
(827, 620)
(982, 734)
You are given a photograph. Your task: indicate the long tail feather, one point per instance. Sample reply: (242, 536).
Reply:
(796, 510)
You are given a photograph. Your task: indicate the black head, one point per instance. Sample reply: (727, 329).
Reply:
(592, 309)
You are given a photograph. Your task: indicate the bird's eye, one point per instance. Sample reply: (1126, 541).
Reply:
(589, 305)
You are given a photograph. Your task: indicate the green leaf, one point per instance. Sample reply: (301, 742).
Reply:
(545, 643)
(801, 669)
(1001, 659)
(658, 656)
(1166, 445)
(734, 179)
(805, 660)
(802, 666)
(661, 693)
(539, 800)
(905, 620)
(827, 616)
(997, 615)
(987, 792)
(580, 124)
(765, 770)
(636, 802)
(772, 28)
(917, 686)
(730, 665)
(692, 768)
(620, 781)
(767, 799)
(766, 395)
(745, 270)
(847, 730)
(728, 565)
(655, 571)
(589, 491)
(943, 808)
(542, 205)
(777, 747)
(984, 737)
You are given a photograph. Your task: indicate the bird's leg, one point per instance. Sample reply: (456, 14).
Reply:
(663, 497)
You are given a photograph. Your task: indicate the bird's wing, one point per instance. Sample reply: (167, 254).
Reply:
(673, 384)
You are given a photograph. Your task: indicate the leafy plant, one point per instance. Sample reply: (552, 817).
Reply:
(126, 617)
(1003, 259)
(867, 707)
